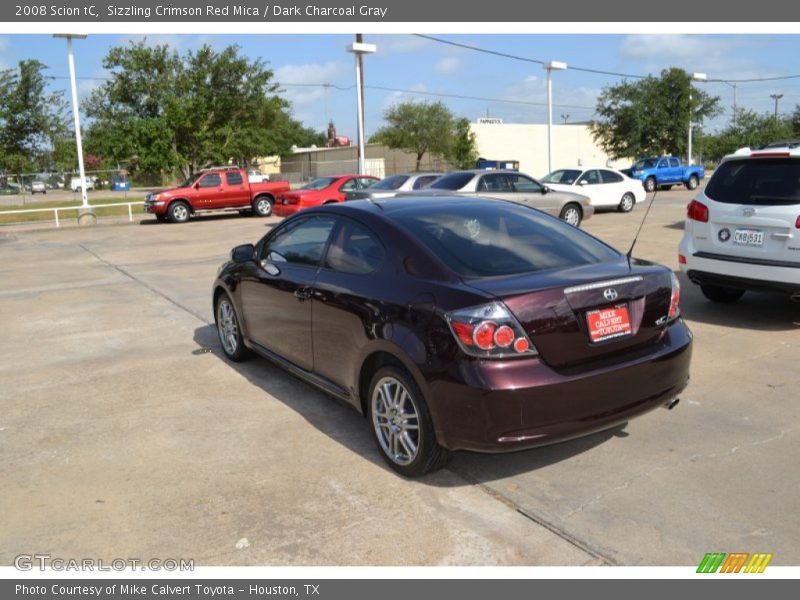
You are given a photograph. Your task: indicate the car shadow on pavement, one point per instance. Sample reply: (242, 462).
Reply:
(761, 311)
(343, 424)
(150, 220)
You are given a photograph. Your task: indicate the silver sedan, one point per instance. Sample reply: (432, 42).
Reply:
(515, 187)
(395, 184)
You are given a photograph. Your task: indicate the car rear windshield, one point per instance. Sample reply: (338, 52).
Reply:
(761, 181)
(486, 239)
(453, 181)
(390, 183)
(565, 176)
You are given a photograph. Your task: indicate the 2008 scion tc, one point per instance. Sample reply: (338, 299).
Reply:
(457, 323)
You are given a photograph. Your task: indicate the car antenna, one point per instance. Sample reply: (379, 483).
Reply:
(371, 201)
(638, 231)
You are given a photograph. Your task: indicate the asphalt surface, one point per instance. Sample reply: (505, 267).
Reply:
(125, 433)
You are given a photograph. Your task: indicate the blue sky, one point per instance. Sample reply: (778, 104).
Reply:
(412, 63)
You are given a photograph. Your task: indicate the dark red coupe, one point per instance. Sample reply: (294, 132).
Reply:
(456, 323)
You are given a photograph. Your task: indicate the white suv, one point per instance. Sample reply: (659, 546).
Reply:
(743, 230)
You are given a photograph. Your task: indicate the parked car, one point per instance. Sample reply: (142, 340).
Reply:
(457, 323)
(256, 176)
(515, 187)
(323, 190)
(605, 187)
(394, 184)
(222, 188)
(742, 231)
(38, 187)
(664, 172)
(75, 184)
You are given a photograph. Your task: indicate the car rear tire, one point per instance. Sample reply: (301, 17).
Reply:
(650, 184)
(692, 183)
(262, 206)
(179, 212)
(572, 214)
(78, 189)
(723, 295)
(401, 424)
(229, 331)
(627, 203)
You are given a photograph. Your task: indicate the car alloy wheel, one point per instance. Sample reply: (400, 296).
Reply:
(627, 202)
(230, 334)
(402, 425)
(650, 184)
(571, 214)
(179, 212)
(692, 184)
(262, 206)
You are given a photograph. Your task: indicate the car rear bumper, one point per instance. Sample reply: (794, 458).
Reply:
(503, 406)
(285, 210)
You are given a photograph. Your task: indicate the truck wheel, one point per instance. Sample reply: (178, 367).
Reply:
(650, 184)
(178, 212)
(692, 183)
(262, 206)
(718, 293)
(627, 203)
(571, 214)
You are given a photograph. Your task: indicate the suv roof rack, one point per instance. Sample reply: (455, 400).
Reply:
(781, 144)
(222, 168)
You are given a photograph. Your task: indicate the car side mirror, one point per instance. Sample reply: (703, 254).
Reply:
(243, 253)
(583, 182)
(197, 185)
(545, 190)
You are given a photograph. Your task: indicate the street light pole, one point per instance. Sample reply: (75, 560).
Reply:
(776, 96)
(85, 214)
(359, 49)
(551, 66)
(695, 77)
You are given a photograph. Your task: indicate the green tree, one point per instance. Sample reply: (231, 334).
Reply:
(164, 111)
(463, 150)
(29, 117)
(651, 115)
(751, 130)
(418, 127)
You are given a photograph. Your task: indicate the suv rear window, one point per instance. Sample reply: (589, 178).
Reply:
(761, 181)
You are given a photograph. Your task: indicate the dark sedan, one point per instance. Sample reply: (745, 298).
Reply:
(457, 324)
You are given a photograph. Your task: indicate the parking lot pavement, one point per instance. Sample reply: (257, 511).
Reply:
(121, 437)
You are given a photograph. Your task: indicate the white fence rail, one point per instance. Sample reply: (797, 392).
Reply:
(55, 211)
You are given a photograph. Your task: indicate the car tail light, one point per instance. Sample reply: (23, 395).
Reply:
(697, 211)
(681, 259)
(489, 331)
(797, 222)
(674, 300)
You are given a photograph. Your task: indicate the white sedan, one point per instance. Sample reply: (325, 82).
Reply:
(605, 187)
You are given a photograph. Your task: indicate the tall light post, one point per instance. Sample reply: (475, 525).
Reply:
(695, 77)
(776, 96)
(565, 117)
(86, 215)
(551, 66)
(359, 48)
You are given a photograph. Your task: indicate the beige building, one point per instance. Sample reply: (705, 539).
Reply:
(573, 145)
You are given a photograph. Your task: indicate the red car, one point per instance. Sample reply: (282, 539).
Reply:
(322, 190)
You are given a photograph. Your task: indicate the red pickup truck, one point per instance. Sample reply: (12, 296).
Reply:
(224, 188)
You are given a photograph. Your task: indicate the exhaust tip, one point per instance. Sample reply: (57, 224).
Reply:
(672, 403)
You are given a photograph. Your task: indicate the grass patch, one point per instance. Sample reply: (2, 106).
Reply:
(109, 211)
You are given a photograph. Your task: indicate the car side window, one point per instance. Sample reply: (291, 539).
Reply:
(211, 180)
(234, 178)
(423, 182)
(365, 182)
(674, 162)
(300, 244)
(522, 184)
(663, 163)
(354, 250)
(349, 185)
(494, 182)
(610, 177)
(590, 177)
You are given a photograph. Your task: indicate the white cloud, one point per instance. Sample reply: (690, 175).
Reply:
(398, 44)
(298, 80)
(577, 102)
(448, 65)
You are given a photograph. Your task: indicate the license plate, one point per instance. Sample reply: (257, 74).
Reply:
(748, 237)
(608, 323)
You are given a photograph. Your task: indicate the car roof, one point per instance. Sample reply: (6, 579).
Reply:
(480, 171)
(782, 149)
